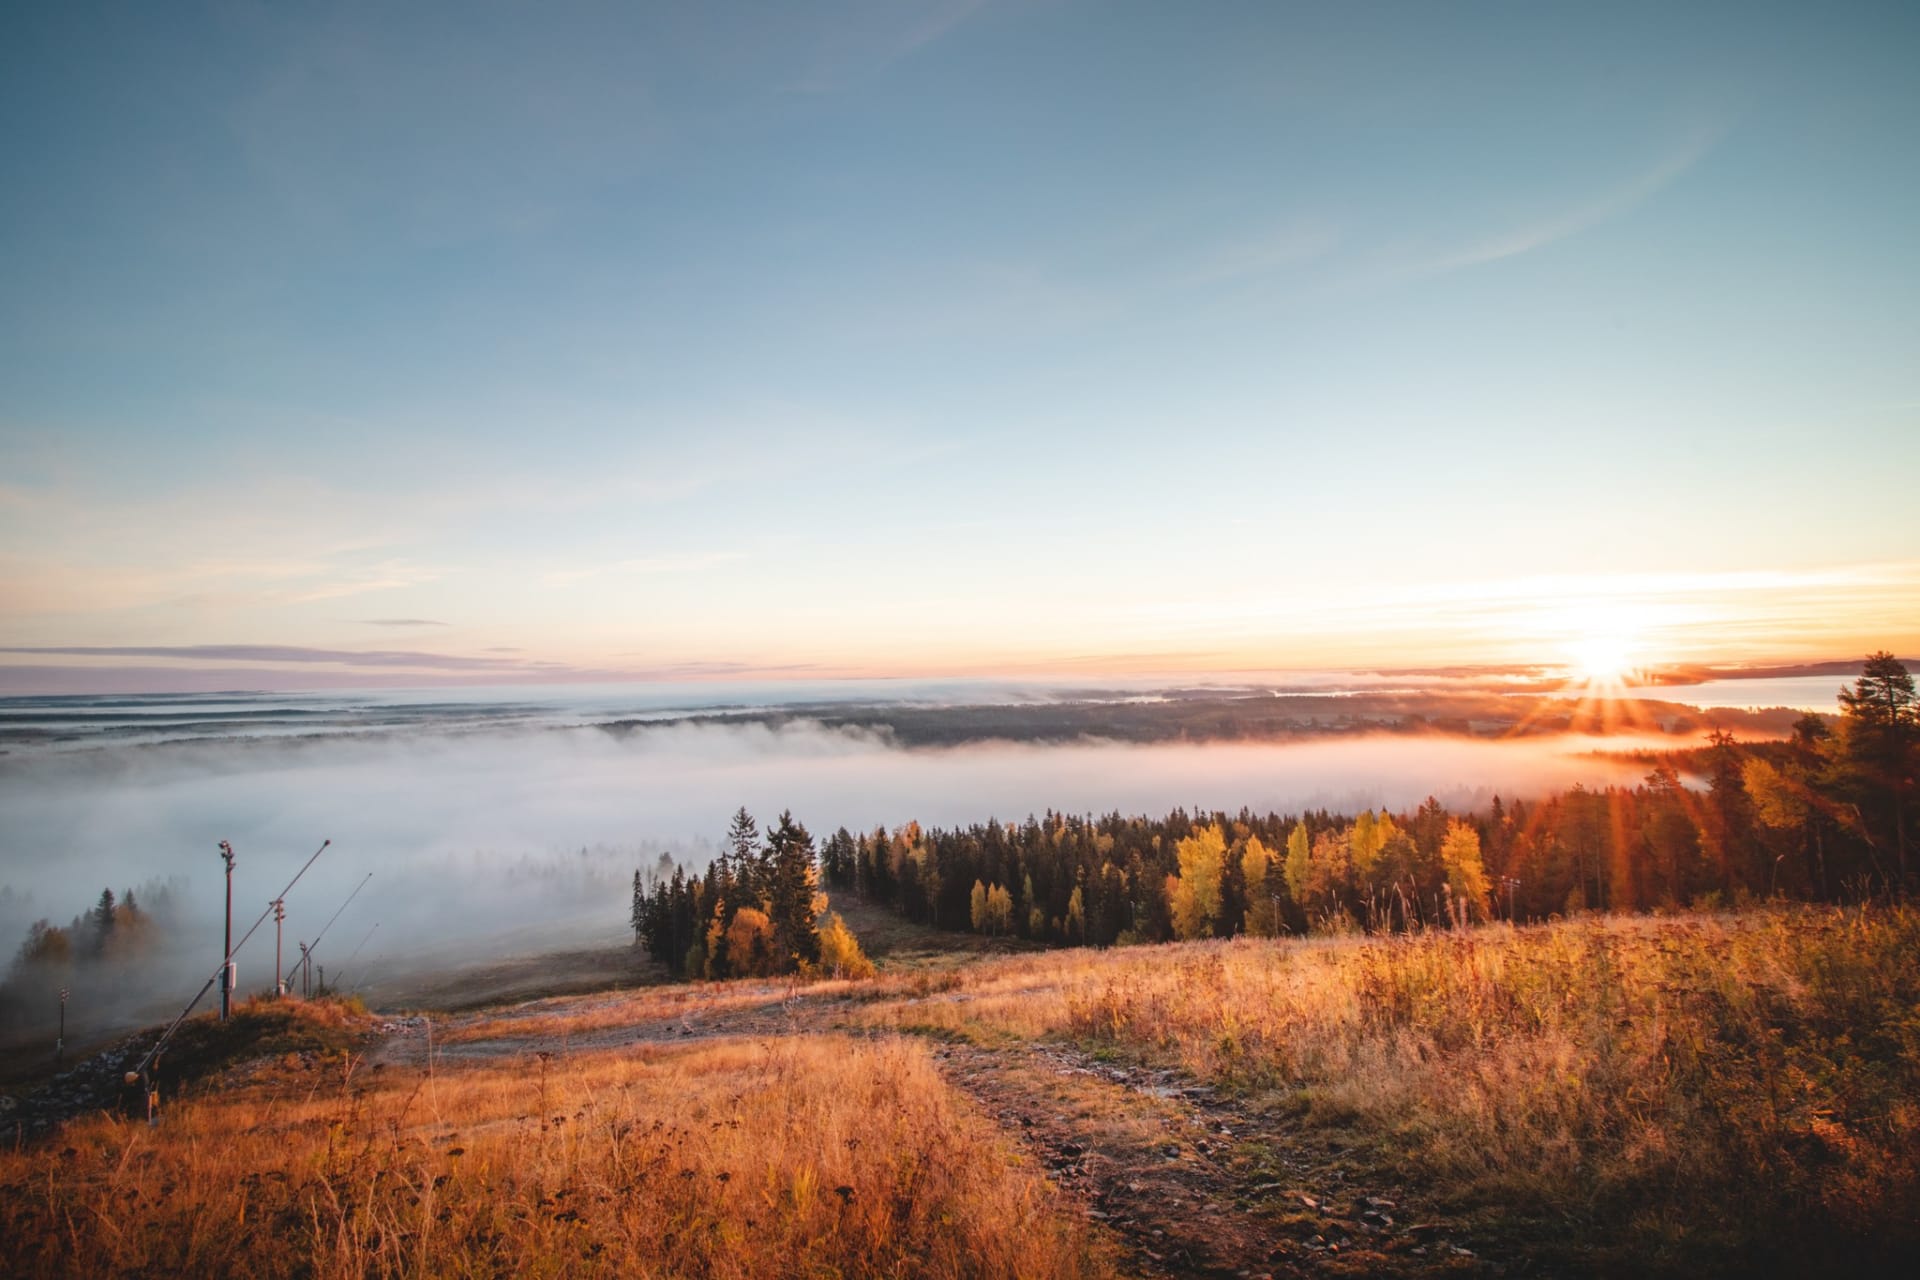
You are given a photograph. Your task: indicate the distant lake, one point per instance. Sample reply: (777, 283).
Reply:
(1808, 693)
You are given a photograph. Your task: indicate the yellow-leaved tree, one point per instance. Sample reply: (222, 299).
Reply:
(1466, 875)
(1363, 845)
(750, 951)
(840, 954)
(999, 910)
(1298, 861)
(1195, 895)
(1263, 904)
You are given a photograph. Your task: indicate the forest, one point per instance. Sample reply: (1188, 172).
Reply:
(1820, 816)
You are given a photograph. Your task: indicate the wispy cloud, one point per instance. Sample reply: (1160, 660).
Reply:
(402, 622)
(279, 653)
(1526, 237)
(386, 576)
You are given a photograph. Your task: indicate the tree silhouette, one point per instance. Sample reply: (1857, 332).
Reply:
(1878, 734)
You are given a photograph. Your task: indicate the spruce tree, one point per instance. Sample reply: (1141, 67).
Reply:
(790, 890)
(102, 918)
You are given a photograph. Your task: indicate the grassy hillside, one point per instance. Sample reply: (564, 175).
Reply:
(1654, 1092)
(806, 1155)
(1696, 1094)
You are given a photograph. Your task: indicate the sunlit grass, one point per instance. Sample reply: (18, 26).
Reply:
(1646, 1092)
(801, 1156)
(1706, 1082)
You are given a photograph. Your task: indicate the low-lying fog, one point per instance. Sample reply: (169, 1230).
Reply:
(472, 834)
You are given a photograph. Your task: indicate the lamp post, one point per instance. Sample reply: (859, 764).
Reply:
(226, 967)
(60, 1042)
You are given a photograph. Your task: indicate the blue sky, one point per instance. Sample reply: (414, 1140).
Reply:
(956, 338)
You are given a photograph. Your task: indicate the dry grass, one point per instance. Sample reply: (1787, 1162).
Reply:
(1734, 1090)
(1669, 1086)
(806, 1156)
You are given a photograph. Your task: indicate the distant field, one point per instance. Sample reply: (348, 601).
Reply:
(1699, 1094)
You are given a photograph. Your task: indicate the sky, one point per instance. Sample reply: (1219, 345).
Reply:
(354, 344)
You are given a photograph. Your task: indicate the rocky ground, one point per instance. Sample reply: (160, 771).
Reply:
(91, 1084)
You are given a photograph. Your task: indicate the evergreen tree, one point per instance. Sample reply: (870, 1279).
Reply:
(637, 916)
(744, 863)
(1880, 733)
(837, 859)
(790, 891)
(102, 919)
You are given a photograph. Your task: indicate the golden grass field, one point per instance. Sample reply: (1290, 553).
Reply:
(805, 1156)
(1687, 1094)
(1699, 1083)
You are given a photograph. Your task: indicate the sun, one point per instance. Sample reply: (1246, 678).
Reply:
(1602, 657)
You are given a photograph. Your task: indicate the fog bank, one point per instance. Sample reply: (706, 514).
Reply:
(529, 837)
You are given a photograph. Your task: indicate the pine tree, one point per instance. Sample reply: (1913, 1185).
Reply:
(102, 919)
(744, 860)
(790, 890)
(837, 860)
(1880, 733)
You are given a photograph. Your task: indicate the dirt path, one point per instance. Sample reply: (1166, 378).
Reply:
(1195, 1184)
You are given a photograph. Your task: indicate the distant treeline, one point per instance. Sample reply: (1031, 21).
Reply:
(1259, 716)
(90, 955)
(1824, 815)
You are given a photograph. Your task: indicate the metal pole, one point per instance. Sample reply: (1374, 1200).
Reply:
(307, 959)
(358, 949)
(153, 1054)
(279, 915)
(302, 966)
(226, 964)
(60, 1044)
